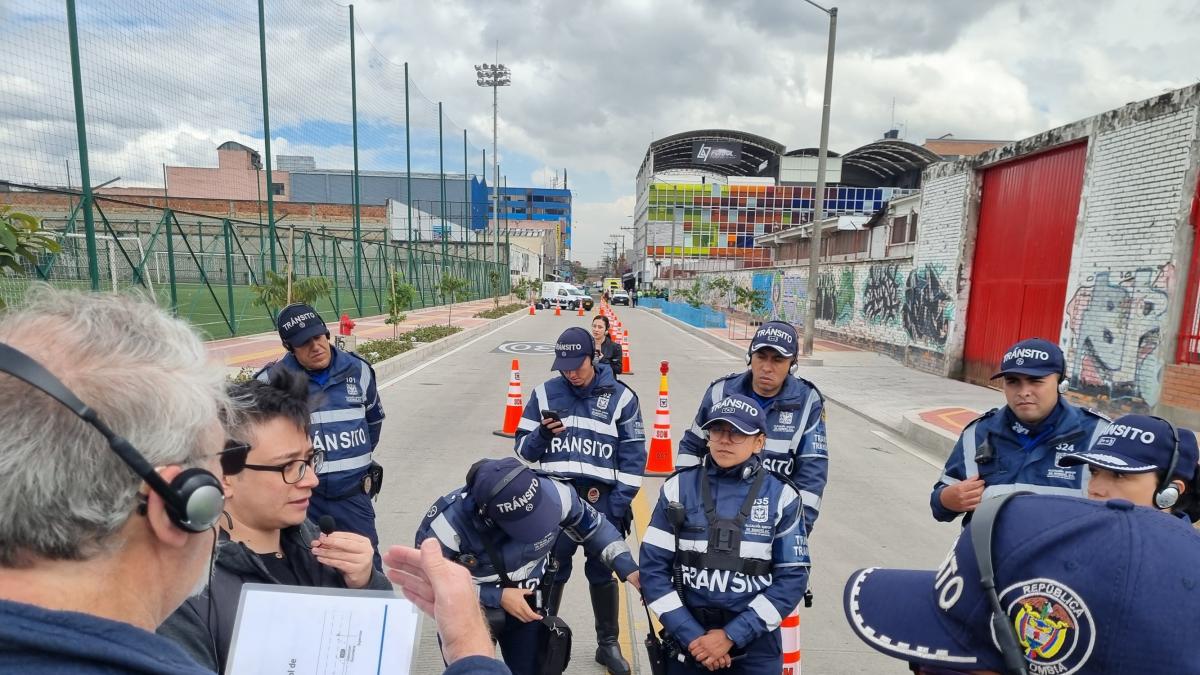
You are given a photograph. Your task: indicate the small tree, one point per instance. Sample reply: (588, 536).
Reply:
(494, 284)
(400, 298)
(22, 239)
(274, 293)
(453, 289)
(753, 300)
(721, 286)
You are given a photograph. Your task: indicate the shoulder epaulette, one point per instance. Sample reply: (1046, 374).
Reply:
(725, 377)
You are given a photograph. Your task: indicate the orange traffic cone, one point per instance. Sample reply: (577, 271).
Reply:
(557, 310)
(659, 460)
(532, 310)
(515, 405)
(789, 630)
(626, 366)
(580, 311)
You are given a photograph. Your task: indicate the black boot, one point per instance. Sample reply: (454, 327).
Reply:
(605, 606)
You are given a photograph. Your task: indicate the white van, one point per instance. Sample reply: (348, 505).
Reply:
(562, 294)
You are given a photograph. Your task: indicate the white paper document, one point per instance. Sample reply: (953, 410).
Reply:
(294, 630)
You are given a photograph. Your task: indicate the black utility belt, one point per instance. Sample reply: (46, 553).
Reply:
(370, 484)
(591, 492)
(755, 567)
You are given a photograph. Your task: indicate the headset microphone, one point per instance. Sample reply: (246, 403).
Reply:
(327, 524)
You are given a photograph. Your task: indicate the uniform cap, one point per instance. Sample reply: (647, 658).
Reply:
(1088, 586)
(298, 323)
(777, 335)
(742, 412)
(1140, 444)
(516, 499)
(1034, 357)
(574, 346)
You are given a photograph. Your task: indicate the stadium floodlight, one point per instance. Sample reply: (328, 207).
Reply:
(494, 75)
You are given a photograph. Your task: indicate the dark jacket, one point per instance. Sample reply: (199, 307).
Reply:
(611, 355)
(37, 641)
(197, 623)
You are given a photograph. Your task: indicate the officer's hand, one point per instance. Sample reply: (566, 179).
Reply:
(711, 646)
(349, 553)
(512, 600)
(553, 426)
(964, 496)
(624, 523)
(635, 580)
(717, 664)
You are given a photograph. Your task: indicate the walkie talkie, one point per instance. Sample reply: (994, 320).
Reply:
(984, 452)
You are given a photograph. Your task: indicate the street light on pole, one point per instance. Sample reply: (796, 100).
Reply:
(494, 75)
(814, 254)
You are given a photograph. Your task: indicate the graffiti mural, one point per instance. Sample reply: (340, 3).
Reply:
(882, 294)
(835, 297)
(927, 307)
(1115, 321)
(792, 295)
(763, 282)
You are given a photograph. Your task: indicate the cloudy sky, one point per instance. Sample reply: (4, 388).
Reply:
(593, 81)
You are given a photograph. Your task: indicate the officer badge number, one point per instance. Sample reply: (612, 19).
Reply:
(593, 495)
(759, 513)
(1053, 625)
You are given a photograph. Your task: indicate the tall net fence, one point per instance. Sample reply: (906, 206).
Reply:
(226, 149)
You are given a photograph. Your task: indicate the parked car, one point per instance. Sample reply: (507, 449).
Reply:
(562, 294)
(620, 298)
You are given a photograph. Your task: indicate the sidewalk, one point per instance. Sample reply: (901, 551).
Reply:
(926, 409)
(254, 351)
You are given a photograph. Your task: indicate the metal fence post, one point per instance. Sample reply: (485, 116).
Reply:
(89, 223)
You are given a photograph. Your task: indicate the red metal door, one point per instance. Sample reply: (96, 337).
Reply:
(1022, 255)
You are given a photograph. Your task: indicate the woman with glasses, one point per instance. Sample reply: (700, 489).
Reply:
(270, 470)
(725, 556)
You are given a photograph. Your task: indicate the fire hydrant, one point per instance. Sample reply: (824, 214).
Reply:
(346, 325)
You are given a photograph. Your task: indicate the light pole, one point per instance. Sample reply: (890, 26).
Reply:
(814, 254)
(494, 75)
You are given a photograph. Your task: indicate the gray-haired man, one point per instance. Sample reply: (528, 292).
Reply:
(97, 547)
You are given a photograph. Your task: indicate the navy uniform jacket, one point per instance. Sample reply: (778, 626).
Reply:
(1024, 459)
(346, 420)
(774, 532)
(604, 441)
(796, 442)
(453, 520)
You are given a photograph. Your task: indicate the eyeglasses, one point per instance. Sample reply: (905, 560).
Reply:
(233, 461)
(728, 432)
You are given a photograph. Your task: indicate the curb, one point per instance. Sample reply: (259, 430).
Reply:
(930, 437)
(385, 370)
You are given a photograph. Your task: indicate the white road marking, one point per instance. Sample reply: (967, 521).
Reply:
(457, 349)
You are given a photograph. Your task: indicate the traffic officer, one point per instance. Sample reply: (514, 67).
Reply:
(1145, 460)
(1042, 584)
(586, 427)
(725, 556)
(1015, 448)
(795, 415)
(346, 420)
(502, 526)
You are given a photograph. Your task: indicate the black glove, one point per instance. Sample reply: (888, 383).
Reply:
(624, 522)
(545, 432)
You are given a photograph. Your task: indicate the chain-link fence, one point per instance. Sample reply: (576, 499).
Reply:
(193, 150)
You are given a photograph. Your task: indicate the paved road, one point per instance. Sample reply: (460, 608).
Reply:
(440, 419)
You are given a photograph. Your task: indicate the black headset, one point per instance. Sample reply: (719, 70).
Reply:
(194, 498)
(982, 525)
(1167, 494)
(482, 507)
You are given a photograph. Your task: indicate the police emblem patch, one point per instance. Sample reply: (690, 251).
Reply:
(1053, 624)
(760, 513)
(593, 495)
(785, 417)
(351, 389)
(431, 512)
(602, 402)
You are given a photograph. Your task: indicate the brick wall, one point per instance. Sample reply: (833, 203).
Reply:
(1123, 271)
(931, 291)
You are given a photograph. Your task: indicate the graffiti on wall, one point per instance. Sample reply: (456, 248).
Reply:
(927, 306)
(763, 282)
(882, 294)
(791, 291)
(1115, 320)
(835, 296)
